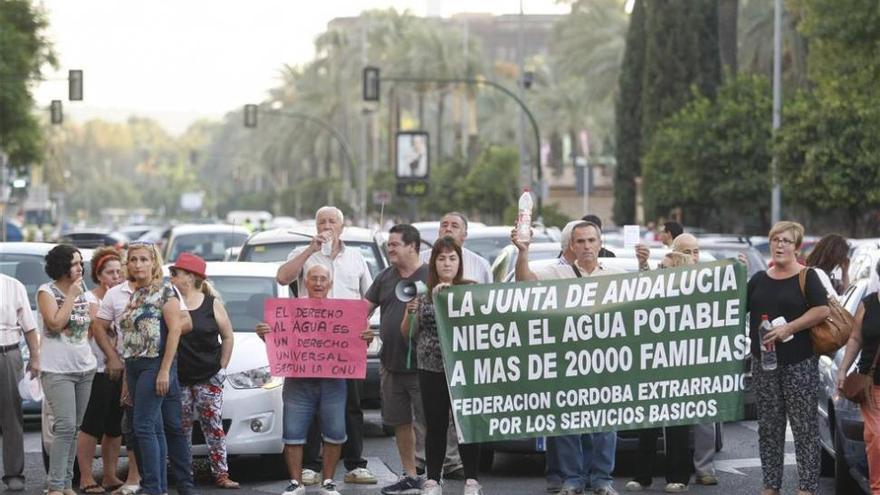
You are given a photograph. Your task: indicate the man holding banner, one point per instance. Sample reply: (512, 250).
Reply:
(311, 342)
(574, 460)
(351, 279)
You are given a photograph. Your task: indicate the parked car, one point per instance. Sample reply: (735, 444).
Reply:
(505, 262)
(208, 241)
(841, 427)
(135, 231)
(94, 238)
(273, 246)
(732, 250)
(276, 244)
(627, 441)
(25, 261)
(489, 241)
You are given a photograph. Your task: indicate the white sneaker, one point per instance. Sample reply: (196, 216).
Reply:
(472, 487)
(675, 488)
(310, 477)
(431, 487)
(294, 488)
(360, 476)
(633, 486)
(328, 488)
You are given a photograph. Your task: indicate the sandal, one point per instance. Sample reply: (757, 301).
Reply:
(223, 481)
(93, 488)
(127, 490)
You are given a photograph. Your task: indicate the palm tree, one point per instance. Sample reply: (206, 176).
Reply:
(756, 42)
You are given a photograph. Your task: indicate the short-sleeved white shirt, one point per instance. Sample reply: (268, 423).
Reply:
(348, 270)
(67, 351)
(475, 268)
(16, 317)
(93, 343)
(563, 270)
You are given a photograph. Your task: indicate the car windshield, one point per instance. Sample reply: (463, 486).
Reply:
(278, 251)
(211, 246)
(29, 269)
(243, 298)
(489, 246)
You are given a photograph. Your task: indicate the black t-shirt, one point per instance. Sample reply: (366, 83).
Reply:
(394, 347)
(198, 354)
(783, 298)
(870, 335)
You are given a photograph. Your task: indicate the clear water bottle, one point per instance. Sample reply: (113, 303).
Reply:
(524, 219)
(768, 356)
(327, 247)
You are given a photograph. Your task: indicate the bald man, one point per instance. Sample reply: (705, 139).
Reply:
(704, 433)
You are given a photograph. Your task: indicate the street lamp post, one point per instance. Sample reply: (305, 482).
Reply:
(250, 121)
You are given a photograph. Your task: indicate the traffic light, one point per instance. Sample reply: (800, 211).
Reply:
(371, 83)
(57, 115)
(75, 85)
(250, 115)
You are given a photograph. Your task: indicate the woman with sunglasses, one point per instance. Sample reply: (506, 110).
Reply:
(151, 322)
(103, 418)
(204, 355)
(68, 364)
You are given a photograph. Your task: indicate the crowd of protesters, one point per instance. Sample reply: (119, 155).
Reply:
(141, 358)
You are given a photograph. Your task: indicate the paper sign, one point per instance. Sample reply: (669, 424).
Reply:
(317, 338)
(631, 236)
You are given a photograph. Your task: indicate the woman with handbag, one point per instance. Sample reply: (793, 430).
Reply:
(788, 391)
(862, 386)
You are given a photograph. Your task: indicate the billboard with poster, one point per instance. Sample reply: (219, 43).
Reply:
(412, 155)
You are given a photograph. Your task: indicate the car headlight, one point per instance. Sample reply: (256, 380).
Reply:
(254, 378)
(375, 346)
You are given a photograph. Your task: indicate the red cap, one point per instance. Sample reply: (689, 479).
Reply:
(191, 263)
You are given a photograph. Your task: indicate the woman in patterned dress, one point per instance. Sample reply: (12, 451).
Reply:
(151, 326)
(204, 355)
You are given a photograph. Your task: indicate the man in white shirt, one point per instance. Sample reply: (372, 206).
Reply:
(455, 225)
(475, 268)
(575, 462)
(16, 319)
(351, 278)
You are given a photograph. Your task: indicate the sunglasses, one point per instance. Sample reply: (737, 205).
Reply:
(141, 243)
(175, 271)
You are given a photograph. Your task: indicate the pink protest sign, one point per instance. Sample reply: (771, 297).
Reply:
(317, 338)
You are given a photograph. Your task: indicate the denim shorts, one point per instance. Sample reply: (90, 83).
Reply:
(303, 398)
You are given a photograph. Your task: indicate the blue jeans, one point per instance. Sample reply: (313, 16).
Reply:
(157, 428)
(303, 397)
(581, 461)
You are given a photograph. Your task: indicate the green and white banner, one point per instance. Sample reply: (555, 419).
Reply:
(617, 352)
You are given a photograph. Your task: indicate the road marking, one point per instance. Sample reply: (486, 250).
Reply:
(753, 425)
(376, 465)
(734, 465)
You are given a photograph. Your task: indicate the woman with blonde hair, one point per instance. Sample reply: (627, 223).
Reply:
(786, 392)
(151, 321)
(204, 355)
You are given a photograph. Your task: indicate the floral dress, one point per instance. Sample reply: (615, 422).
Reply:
(142, 323)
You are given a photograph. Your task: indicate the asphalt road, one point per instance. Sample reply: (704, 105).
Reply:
(738, 468)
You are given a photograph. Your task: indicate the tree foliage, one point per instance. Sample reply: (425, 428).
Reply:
(24, 51)
(712, 157)
(629, 118)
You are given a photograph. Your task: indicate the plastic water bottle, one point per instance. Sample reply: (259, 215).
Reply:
(768, 357)
(327, 247)
(524, 219)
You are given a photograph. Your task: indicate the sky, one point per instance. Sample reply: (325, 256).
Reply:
(181, 60)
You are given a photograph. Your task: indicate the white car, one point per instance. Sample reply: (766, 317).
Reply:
(252, 407)
(25, 262)
(273, 247)
(210, 241)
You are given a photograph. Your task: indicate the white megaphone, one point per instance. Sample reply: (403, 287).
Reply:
(406, 291)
